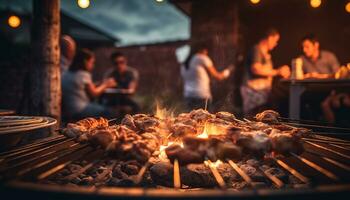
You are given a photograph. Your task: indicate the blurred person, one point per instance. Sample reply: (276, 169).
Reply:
(317, 63)
(126, 79)
(78, 89)
(336, 108)
(260, 72)
(195, 73)
(68, 48)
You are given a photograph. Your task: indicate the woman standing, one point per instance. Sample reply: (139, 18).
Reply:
(260, 72)
(195, 73)
(78, 90)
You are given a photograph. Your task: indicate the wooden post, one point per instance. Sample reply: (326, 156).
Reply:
(44, 74)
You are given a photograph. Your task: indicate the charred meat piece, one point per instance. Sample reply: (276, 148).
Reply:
(285, 143)
(256, 143)
(201, 115)
(74, 130)
(183, 155)
(103, 137)
(180, 130)
(196, 150)
(128, 121)
(267, 116)
(147, 124)
(130, 145)
(229, 117)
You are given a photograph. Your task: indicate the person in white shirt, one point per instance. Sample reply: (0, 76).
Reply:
(196, 72)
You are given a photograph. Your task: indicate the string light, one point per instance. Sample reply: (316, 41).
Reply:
(14, 21)
(347, 7)
(255, 1)
(315, 3)
(83, 3)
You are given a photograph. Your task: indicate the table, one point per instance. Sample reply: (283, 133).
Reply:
(298, 87)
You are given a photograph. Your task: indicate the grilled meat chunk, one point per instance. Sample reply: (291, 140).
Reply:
(285, 142)
(267, 116)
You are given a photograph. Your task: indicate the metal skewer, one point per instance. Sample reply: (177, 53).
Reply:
(316, 167)
(245, 177)
(292, 171)
(217, 175)
(177, 178)
(273, 178)
(327, 149)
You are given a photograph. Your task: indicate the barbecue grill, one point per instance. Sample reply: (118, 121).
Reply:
(322, 171)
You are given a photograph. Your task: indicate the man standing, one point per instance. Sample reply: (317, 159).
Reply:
(317, 63)
(127, 80)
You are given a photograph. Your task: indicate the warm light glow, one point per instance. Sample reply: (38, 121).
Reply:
(315, 3)
(162, 154)
(162, 113)
(213, 164)
(83, 3)
(14, 21)
(347, 7)
(159, 1)
(255, 1)
(212, 129)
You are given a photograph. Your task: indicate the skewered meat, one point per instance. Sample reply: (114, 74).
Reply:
(184, 156)
(196, 150)
(267, 116)
(226, 116)
(180, 130)
(103, 137)
(285, 142)
(147, 123)
(201, 115)
(74, 130)
(256, 143)
(130, 145)
(128, 121)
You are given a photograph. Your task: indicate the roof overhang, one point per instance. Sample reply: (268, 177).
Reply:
(184, 5)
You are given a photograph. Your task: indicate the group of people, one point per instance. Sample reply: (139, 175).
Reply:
(79, 90)
(80, 93)
(259, 73)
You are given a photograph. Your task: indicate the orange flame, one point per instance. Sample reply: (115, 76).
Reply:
(211, 129)
(162, 113)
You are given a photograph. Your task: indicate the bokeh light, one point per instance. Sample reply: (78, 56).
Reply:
(315, 3)
(83, 3)
(347, 7)
(14, 21)
(255, 1)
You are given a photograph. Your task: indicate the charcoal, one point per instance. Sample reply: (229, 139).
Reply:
(252, 172)
(121, 182)
(130, 169)
(197, 175)
(76, 180)
(278, 173)
(227, 173)
(89, 180)
(162, 174)
(118, 173)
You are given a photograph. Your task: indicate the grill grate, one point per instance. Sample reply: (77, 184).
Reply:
(325, 162)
